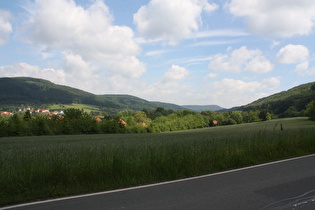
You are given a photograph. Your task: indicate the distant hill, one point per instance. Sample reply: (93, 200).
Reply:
(30, 91)
(135, 103)
(200, 108)
(288, 103)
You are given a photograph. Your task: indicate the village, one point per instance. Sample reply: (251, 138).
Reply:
(49, 113)
(34, 111)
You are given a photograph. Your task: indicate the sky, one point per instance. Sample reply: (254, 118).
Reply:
(188, 52)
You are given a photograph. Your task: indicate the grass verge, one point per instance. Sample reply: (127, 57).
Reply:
(33, 168)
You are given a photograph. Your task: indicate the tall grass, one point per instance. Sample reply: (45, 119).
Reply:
(44, 167)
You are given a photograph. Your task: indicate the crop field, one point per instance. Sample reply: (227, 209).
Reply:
(33, 168)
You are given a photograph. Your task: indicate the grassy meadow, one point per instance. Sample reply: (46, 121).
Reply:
(86, 107)
(33, 168)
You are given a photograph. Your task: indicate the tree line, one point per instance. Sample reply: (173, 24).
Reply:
(76, 121)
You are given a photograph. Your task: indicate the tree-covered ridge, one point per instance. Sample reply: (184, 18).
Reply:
(31, 91)
(200, 108)
(135, 103)
(24, 90)
(290, 103)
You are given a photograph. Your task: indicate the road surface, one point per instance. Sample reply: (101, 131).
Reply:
(288, 184)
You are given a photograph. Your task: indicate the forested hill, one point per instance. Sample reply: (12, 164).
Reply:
(136, 103)
(31, 91)
(288, 103)
(200, 108)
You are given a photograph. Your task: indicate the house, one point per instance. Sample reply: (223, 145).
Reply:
(6, 113)
(26, 109)
(55, 112)
(98, 119)
(142, 124)
(45, 111)
(122, 122)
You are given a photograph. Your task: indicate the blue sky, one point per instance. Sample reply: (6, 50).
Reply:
(187, 52)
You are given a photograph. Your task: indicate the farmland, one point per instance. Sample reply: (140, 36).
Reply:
(44, 167)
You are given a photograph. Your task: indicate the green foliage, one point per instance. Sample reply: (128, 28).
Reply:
(251, 116)
(39, 126)
(181, 120)
(310, 110)
(290, 103)
(73, 114)
(264, 115)
(27, 115)
(112, 126)
(237, 117)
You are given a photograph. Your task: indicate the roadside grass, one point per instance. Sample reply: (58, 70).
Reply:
(34, 168)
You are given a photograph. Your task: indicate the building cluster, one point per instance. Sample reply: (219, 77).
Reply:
(41, 111)
(34, 111)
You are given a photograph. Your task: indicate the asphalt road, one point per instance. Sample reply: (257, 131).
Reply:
(288, 184)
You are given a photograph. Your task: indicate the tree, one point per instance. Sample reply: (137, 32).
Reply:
(140, 117)
(310, 110)
(27, 115)
(16, 126)
(237, 116)
(73, 114)
(264, 115)
(40, 127)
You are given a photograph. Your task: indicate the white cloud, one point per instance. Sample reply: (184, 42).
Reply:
(156, 52)
(274, 44)
(61, 25)
(5, 26)
(211, 76)
(214, 42)
(174, 74)
(171, 20)
(271, 83)
(282, 18)
(292, 54)
(241, 59)
(232, 92)
(170, 87)
(219, 33)
(303, 69)
(25, 70)
(78, 68)
(296, 54)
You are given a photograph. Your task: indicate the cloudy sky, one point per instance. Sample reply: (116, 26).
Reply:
(188, 52)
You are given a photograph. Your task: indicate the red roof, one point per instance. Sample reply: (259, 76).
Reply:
(98, 119)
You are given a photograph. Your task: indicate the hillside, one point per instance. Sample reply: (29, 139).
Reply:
(288, 103)
(135, 103)
(24, 90)
(31, 91)
(200, 108)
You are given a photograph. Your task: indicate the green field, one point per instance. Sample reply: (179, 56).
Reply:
(87, 108)
(33, 168)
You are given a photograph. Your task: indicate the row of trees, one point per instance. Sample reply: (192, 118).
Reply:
(76, 121)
